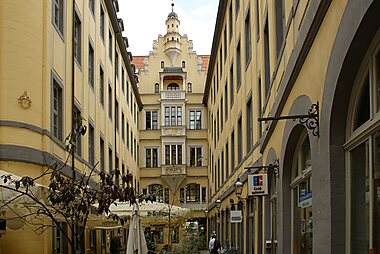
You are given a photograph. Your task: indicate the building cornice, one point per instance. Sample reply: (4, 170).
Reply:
(215, 43)
(119, 38)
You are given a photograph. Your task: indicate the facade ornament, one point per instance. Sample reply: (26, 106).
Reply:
(24, 100)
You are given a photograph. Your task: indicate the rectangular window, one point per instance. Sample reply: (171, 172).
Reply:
(173, 116)
(135, 149)
(217, 125)
(232, 89)
(221, 114)
(226, 102)
(240, 141)
(117, 115)
(248, 43)
(266, 60)
(225, 43)
(122, 126)
(57, 110)
(78, 121)
(110, 45)
(173, 154)
(91, 62)
(232, 151)
(279, 25)
(116, 64)
(102, 22)
(175, 235)
(110, 164)
(122, 79)
(227, 161)
(249, 125)
(127, 136)
(237, 7)
(230, 21)
(259, 105)
(195, 120)
(91, 144)
(58, 15)
(110, 101)
(203, 194)
(238, 66)
(151, 159)
(151, 120)
(101, 155)
(101, 85)
(195, 156)
(179, 116)
(91, 5)
(127, 90)
(60, 242)
(77, 39)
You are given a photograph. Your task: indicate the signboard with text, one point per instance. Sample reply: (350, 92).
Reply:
(257, 184)
(236, 216)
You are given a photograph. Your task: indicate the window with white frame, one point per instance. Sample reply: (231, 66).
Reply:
(57, 110)
(60, 242)
(151, 157)
(77, 39)
(193, 193)
(159, 192)
(195, 119)
(58, 15)
(301, 197)
(363, 153)
(151, 120)
(173, 116)
(173, 154)
(195, 156)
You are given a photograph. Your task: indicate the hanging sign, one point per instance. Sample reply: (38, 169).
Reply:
(236, 216)
(257, 184)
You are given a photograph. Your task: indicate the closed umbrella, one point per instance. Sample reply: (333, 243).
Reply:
(136, 239)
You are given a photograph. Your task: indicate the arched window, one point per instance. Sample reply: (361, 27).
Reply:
(301, 197)
(156, 88)
(172, 38)
(162, 64)
(159, 192)
(363, 153)
(173, 86)
(183, 64)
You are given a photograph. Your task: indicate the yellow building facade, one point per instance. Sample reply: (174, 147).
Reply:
(50, 50)
(292, 94)
(173, 128)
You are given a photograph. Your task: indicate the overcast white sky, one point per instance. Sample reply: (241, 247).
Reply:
(145, 19)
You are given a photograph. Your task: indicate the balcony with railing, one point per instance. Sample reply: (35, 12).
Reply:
(173, 95)
(174, 170)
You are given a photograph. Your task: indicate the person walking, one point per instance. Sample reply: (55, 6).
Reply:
(216, 247)
(211, 244)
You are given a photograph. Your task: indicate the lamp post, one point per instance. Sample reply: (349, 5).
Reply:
(207, 233)
(218, 203)
(238, 188)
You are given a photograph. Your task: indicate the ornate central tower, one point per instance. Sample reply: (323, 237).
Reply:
(172, 37)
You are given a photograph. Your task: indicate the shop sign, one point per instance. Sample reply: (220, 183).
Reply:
(236, 216)
(257, 184)
(305, 200)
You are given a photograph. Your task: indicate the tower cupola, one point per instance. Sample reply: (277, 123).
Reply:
(172, 37)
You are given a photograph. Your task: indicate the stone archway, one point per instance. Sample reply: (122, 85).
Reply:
(358, 26)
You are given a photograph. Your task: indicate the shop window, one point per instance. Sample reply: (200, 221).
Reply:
(301, 188)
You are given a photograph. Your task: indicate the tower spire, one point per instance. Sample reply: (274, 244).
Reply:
(172, 6)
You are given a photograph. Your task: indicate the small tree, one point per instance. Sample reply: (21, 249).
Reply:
(193, 242)
(70, 200)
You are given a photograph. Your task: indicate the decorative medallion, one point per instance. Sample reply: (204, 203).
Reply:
(24, 100)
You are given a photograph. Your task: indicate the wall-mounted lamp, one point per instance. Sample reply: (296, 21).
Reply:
(218, 203)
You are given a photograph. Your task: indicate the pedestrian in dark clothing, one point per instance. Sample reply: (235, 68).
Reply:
(217, 246)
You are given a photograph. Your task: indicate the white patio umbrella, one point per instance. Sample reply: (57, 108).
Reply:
(136, 239)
